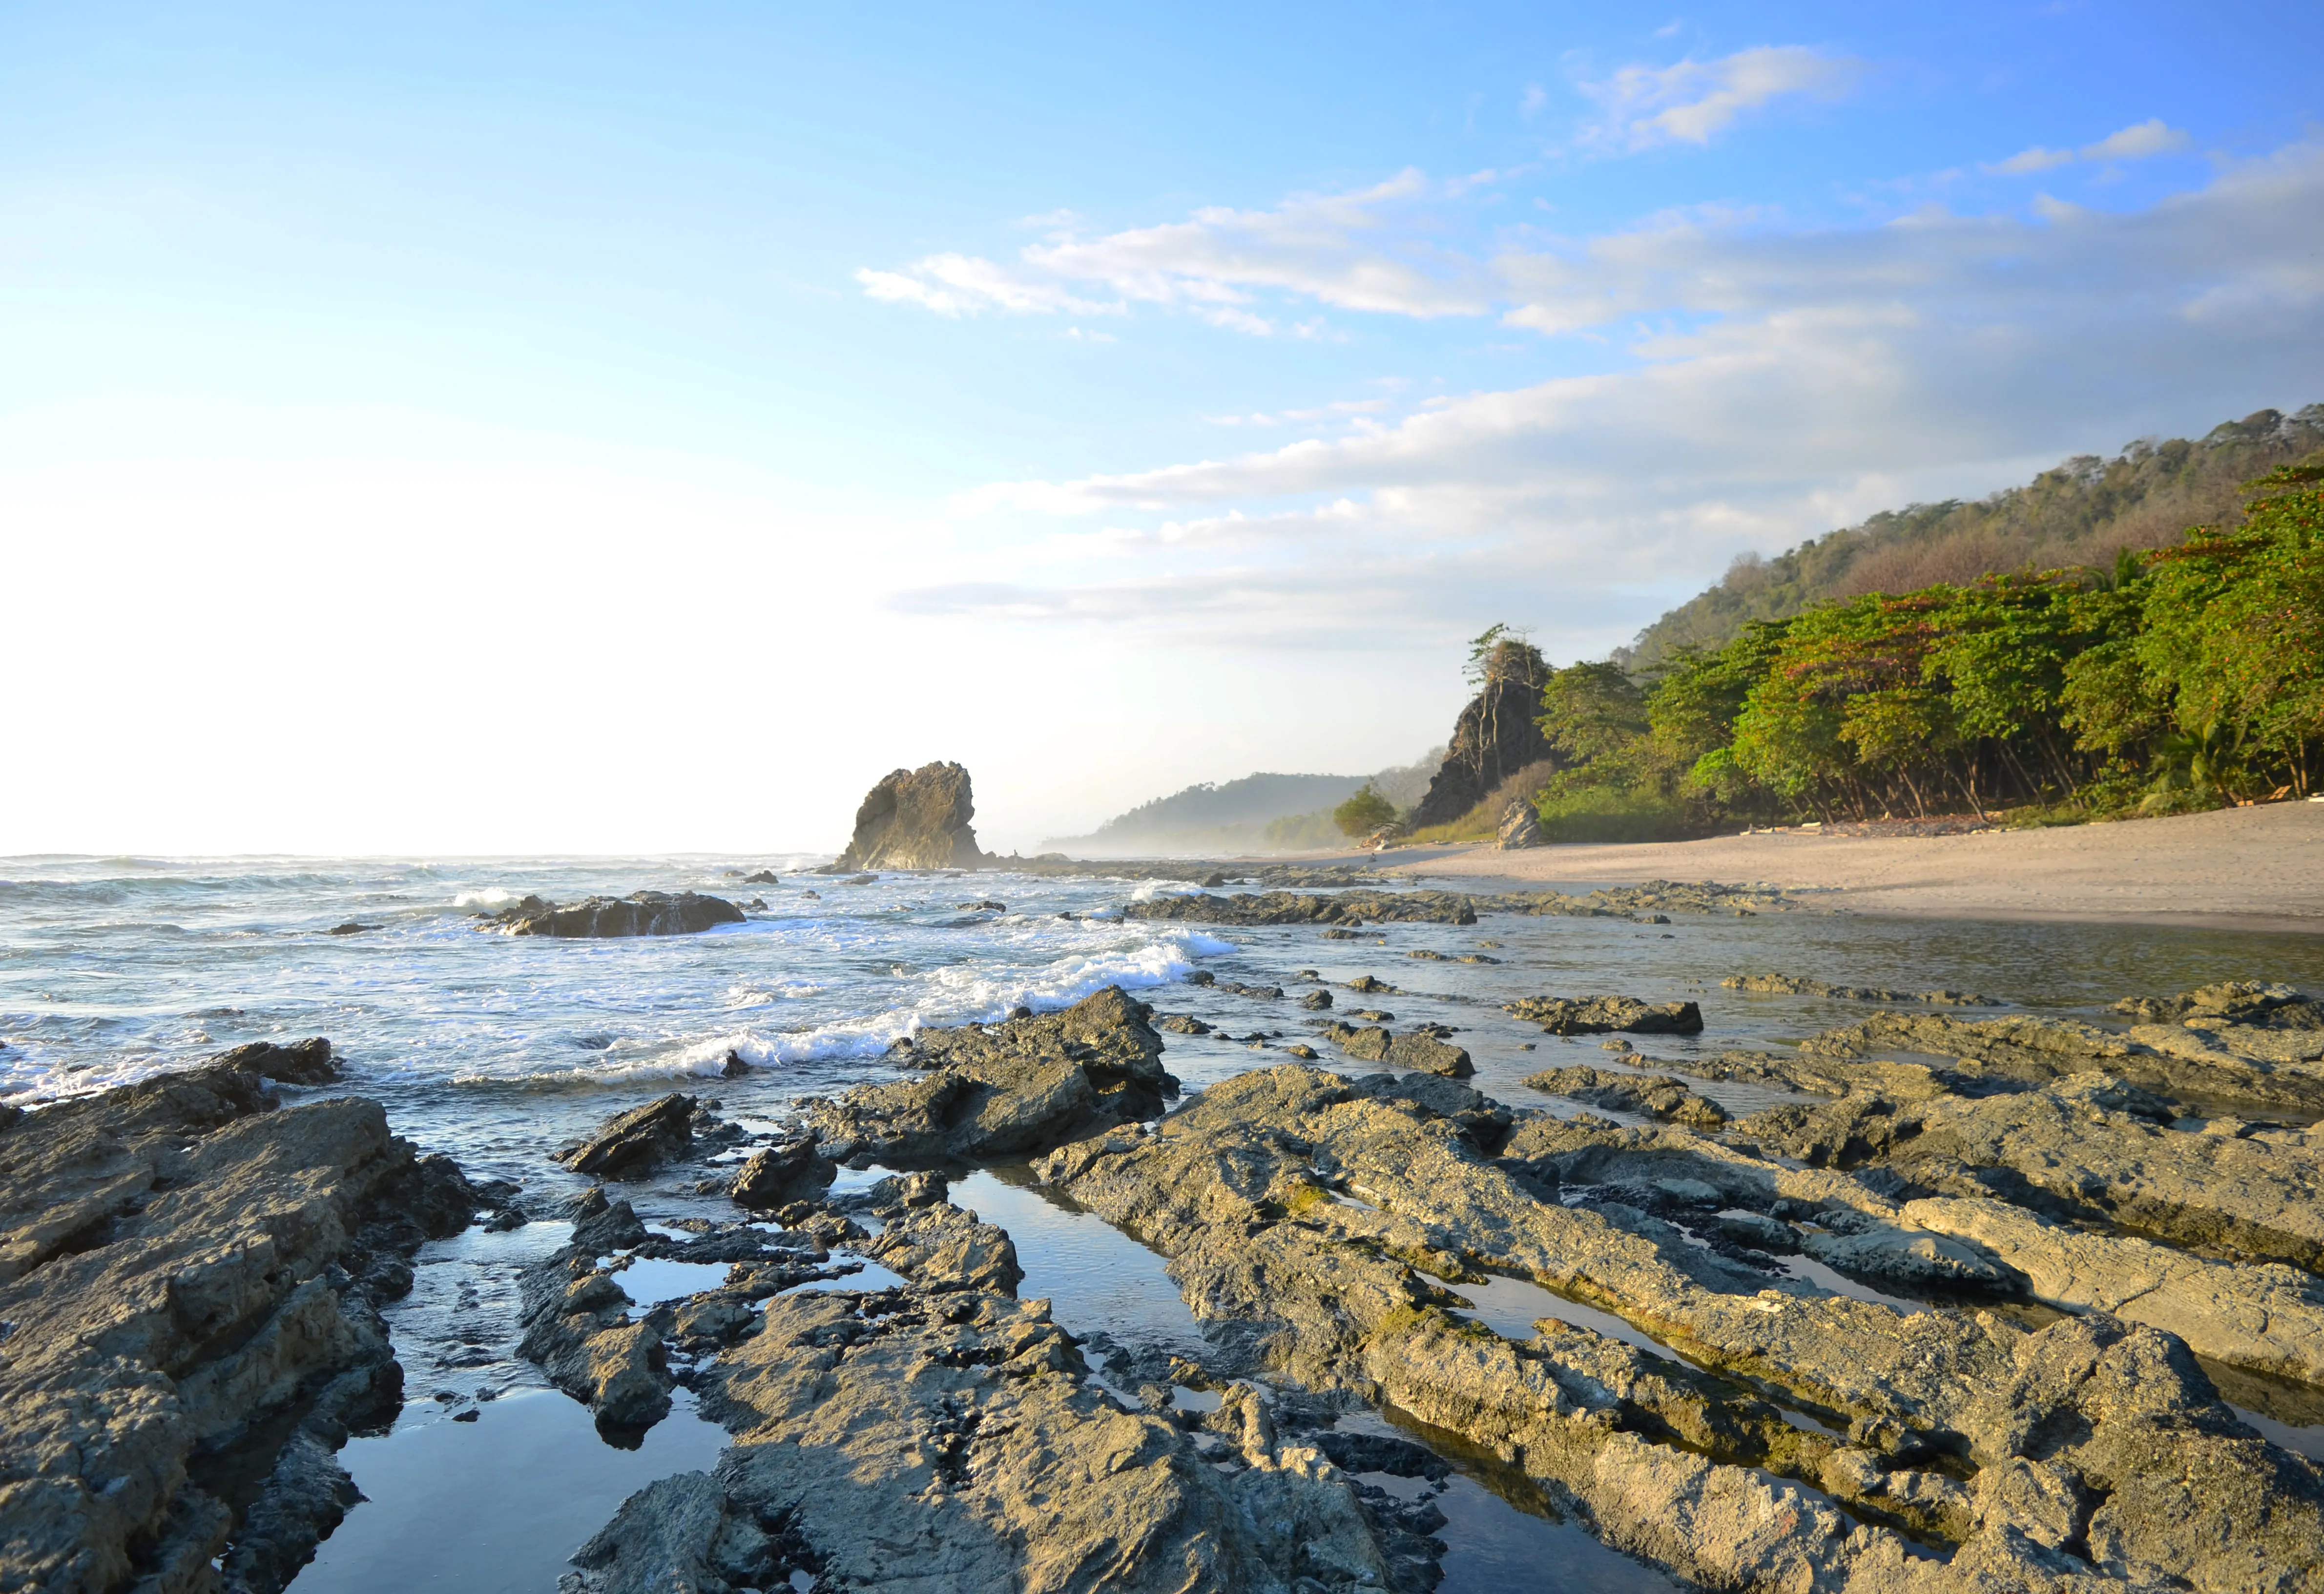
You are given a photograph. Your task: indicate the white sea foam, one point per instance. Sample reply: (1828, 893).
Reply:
(1154, 888)
(491, 897)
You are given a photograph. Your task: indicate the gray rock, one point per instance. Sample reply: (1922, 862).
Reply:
(1655, 1096)
(778, 1176)
(1520, 828)
(631, 1144)
(1005, 1089)
(1596, 1016)
(641, 913)
(914, 819)
(186, 1266)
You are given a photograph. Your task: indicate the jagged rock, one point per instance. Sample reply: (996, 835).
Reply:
(1005, 1089)
(2233, 1001)
(1429, 1054)
(1368, 1044)
(778, 1176)
(2091, 1149)
(763, 878)
(1656, 1096)
(1679, 1465)
(1520, 828)
(1317, 1001)
(953, 1444)
(1787, 984)
(2198, 1066)
(578, 1328)
(2268, 1318)
(641, 913)
(1497, 734)
(1597, 1015)
(631, 1144)
(188, 1266)
(914, 819)
(678, 1535)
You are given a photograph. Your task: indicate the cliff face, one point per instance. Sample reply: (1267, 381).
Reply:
(915, 819)
(1495, 738)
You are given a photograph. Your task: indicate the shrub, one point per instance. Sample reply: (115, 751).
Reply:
(1601, 813)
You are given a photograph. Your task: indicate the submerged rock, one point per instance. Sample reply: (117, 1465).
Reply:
(192, 1274)
(641, 913)
(915, 819)
(1786, 985)
(1598, 1015)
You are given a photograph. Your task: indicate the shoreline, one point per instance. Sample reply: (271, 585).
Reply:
(2258, 868)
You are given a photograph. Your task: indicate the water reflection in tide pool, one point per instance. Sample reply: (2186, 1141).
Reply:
(495, 1505)
(1503, 1531)
(1095, 1278)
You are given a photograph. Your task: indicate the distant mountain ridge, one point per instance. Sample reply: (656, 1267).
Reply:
(1235, 816)
(2078, 514)
(1207, 811)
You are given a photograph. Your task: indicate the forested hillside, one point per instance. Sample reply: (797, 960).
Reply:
(2082, 512)
(2177, 678)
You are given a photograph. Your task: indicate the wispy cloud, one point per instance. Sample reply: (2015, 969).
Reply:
(2138, 141)
(1333, 248)
(1811, 377)
(1695, 101)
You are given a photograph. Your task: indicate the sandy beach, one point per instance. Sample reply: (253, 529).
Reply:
(2248, 868)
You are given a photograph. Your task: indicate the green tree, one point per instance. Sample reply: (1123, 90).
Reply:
(1363, 814)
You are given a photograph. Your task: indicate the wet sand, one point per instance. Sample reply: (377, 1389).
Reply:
(2245, 868)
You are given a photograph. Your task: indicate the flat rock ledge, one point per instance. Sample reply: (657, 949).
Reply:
(2045, 1417)
(193, 1277)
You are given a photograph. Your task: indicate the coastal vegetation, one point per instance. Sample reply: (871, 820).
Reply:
(2079, 512)
(2168, 680)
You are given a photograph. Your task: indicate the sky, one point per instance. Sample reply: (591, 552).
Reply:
(636, 429)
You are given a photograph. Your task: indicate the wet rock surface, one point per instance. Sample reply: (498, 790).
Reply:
(1006, 1089)
(193, 1277)
(2091, 1451)
(1656, 1096)
(641, 913)
(1602, 1016)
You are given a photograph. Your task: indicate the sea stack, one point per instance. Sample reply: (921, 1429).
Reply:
(1495, 737)
(915, 819)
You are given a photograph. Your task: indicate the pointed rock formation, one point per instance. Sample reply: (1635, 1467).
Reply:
(914, 819)
(1495, 737)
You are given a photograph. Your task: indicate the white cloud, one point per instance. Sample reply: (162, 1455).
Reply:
(2138, 141)
(1536, 100)
(1328, 247)
(963, 284)
(1809, 378)
(1692, 101)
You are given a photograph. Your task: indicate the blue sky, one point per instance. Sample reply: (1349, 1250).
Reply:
(637, 427)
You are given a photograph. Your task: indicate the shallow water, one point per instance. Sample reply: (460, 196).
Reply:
(495, 1505)
(1096, 1278)
(1501, 1530)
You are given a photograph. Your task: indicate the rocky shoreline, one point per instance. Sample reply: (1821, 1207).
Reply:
(1965, 1312)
